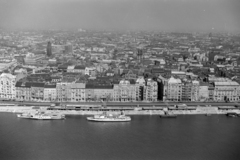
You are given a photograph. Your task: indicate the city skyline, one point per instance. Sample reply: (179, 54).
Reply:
(153, 15)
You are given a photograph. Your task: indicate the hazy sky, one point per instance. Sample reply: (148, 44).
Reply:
(160, 15)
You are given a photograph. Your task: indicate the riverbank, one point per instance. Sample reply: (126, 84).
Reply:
(198, 110)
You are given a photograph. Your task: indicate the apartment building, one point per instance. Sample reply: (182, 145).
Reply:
(50, 92)
(124, 91)
(151, 90)
(77, 91)
(140, 88)
(174, 89)
(226, 91)
(7, 86)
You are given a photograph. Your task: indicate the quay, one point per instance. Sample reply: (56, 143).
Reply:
(137, 109)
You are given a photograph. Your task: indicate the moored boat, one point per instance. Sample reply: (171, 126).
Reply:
(168, 115)
(41, 116)
(109, 118)
(232, 114)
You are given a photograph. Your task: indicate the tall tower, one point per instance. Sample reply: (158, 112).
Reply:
(49, 49)
(140, 55)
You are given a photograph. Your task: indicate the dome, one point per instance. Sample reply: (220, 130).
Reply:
(124, 82)
(173, 80)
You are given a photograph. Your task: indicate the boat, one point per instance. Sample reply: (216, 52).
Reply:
(208, 114)
(41, 116)
(105, 117)
(168, 115)
(232, 114)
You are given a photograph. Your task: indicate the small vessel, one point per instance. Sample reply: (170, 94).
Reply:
(208, 114)
(168, 115)
(232, 114)
(41, 116)
(105, 117)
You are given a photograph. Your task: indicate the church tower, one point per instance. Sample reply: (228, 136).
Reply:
(49, 49)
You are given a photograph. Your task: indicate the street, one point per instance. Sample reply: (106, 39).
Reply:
(123, 103)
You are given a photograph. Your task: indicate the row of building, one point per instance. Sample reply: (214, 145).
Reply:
(123, 90)
(141, 89)
(218, 90)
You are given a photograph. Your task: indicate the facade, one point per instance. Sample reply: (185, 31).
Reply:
(174, 90)
(37, 91)
(226, 91)
(211, 92)
(89, 93)
(203, 92)
(140, 89)
(162, 88)
(190, 91)
(151, 90)
(23, 91)
(77, 92)
(88, 70)
(195, 91)
(186, 91)
(56, 79)
(63, 92)
(50, 93)
(103, 93)
(70, 69)
(7, 86)
(79, 69)
(125, 91)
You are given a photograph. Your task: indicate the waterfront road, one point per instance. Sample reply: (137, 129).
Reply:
(129, 104)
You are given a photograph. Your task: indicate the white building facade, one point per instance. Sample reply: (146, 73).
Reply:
(7, 86)
(174, 89)
(151, 90)
(226, 91)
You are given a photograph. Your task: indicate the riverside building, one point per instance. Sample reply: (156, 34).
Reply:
(7, 86)
(50, 92)
(226, 91)
(140, 88)
(23, 91)
(174, 89)
(151, 90)
(124, 91)
(78, 92)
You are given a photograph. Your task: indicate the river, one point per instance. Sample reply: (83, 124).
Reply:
(193, 137)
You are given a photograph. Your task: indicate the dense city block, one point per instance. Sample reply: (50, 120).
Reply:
(88, 66)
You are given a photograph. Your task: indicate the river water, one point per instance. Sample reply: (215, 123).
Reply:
(193, 137)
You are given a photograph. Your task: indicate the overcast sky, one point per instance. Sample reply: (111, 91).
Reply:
(158, 15)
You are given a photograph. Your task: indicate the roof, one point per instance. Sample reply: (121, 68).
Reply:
(62, 67)
(79, 67)
(174, 80)
(98, 86)
(232, 83)
(7, 75)
(49, 86)
(22, 84)
(37, 84)
(157, 70)
(204, 84)
(18, 84)
(178, 72)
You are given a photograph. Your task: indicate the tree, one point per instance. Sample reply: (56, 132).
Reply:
(108, 97)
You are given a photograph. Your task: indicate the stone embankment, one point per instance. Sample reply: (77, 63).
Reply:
(198, 110)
